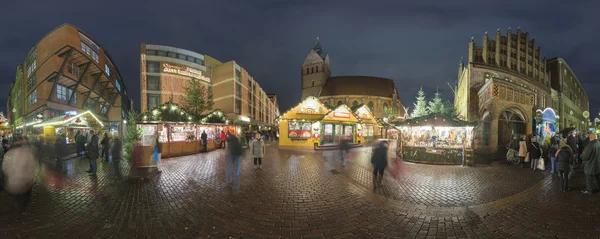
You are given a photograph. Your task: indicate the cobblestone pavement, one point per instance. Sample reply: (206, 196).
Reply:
(301, 194)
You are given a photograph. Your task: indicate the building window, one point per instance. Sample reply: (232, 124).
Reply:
(312, 70)
(90, 104)
(354, 103)
(117, 85)
(107, 69)
(74, 69)
(103, 109)
(152, 66)
(199, 61)
(238, 75)
(31, 82)
(85, 48)
(317, 69)
(313, 83)
(307, 71)
(385, 106)
(69, 93)
(32, 98)
(153, 100)
(238, 106)
(61, 92)
(370, 105)
(161, 53)
(238, 90)
(153, 83)
(172, 54)
(31, 68)
(182, 57)
(151, 52)
(339, 103)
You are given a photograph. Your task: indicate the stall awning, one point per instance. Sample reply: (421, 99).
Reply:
(67, 119)
(435, 120)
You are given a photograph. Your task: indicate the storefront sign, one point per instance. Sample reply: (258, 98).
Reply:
(184, 71)
(341, 114)
(71, 113)
(244, 118)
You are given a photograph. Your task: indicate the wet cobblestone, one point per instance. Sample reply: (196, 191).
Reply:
(296, 195)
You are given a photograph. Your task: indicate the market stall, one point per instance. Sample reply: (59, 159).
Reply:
(69, 124)
(312, 124)
(369, 129)
(435, 139)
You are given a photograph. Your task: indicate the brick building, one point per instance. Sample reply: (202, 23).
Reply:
(67, 73)
(379, 94)
(166, 71)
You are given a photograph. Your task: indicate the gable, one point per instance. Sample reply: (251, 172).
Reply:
(312, 58)
(309, 108)
(365, 115)
(341, 113)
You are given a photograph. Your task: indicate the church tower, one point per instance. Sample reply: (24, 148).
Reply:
(315, 71)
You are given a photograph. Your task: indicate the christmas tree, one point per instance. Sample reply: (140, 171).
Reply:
(420, 106)
(437, 106)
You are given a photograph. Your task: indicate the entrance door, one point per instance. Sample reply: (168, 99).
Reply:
(348, 132)
(337, 133)
(328, 134)
(510, 124)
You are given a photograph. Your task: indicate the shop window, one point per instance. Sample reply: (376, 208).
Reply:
(31, 68)
(32, 98)
(61, 92)
(152, 66)
(299, 130)
(153, 83)
(107, 69)
(153, 100)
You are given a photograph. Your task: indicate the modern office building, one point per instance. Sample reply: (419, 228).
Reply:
(68, 82)
(166, 72)
(379, 94)
(572, 98)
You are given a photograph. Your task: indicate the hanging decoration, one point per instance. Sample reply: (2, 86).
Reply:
(169, 112)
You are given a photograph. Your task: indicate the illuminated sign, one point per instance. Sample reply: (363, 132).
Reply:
(184, 71)
(244, 118)
(70, 112)
(341, 114)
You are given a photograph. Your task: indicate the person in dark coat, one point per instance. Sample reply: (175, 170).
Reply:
(591, 165)
(80, 143)
(105, 146)
(204, 140)
(379, 159)
(535, 152)
(92, 152)
(233, 163)
(344, 149)
(583, 141)
(60, 146)
(564, 157)
(572, 142)
(116, 149)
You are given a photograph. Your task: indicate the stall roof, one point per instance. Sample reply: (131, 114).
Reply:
(314, 110)
(435, 120)
(215, 116)
(59, 120)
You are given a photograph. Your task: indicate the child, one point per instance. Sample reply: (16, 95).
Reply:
(552, 156)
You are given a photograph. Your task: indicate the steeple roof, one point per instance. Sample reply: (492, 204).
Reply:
(317, 48)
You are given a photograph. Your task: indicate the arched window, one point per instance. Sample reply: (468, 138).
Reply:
(317, 70)
(307, 71)
(354, 103)
(370, 105)
(339, 103)
(385, 106)
(313, 83)
(312, 69)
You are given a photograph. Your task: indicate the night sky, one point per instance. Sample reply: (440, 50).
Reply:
(416, 43)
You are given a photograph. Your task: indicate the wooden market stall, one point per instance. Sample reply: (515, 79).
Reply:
(369, 129)
(435, 139)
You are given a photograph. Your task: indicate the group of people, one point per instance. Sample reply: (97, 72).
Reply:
(107, 149)
(257, 151)
(566, 155)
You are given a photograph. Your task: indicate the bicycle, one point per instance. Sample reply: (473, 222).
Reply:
(512, 156)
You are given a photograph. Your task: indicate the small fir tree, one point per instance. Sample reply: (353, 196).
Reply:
(420, 106)
(197, 98)
(437, 106)
(132, 133)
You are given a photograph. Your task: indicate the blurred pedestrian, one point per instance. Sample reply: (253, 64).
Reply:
(60, 147)
(591, 165)
(572, 142)
(379, 159)
(535, 153)
(564, 158)
(92, 152)
(116, 149)
(204, 139)
(552, 155)
(105, 146)
(522, 150)
(80, 141)
(257, 150)
(223, 138)
(344, 149)
(233, 163)
(18, 168)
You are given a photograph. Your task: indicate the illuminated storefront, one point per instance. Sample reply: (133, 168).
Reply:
(435, 139)
(69, 124)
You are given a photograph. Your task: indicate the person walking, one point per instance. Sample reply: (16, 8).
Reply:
(60, 147)
(379, 159)
(591, 165)
(18, 168)
(232, 172)
(116, 149)
(105, 146)
(522, 150)
(564, 158)
(223, 138)
(344, 149)
(204, 140)
(80, 141)
(92, 152)
(535, 153)
(257, 150)
(572, 142)
(552, 156)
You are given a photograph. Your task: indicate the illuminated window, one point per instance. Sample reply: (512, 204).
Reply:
(153, 83)
(31, 82)
(103, 109)
(107, 69)
(85, 48)
(117, 84)
(61, 92)
(31, 68)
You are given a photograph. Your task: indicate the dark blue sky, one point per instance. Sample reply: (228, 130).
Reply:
(415, 43)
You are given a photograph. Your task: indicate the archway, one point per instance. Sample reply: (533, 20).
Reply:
(354, 103)
(511, 123)
(339, 103)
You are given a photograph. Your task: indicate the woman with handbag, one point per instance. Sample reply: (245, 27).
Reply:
(535, 153)
(522, 150)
